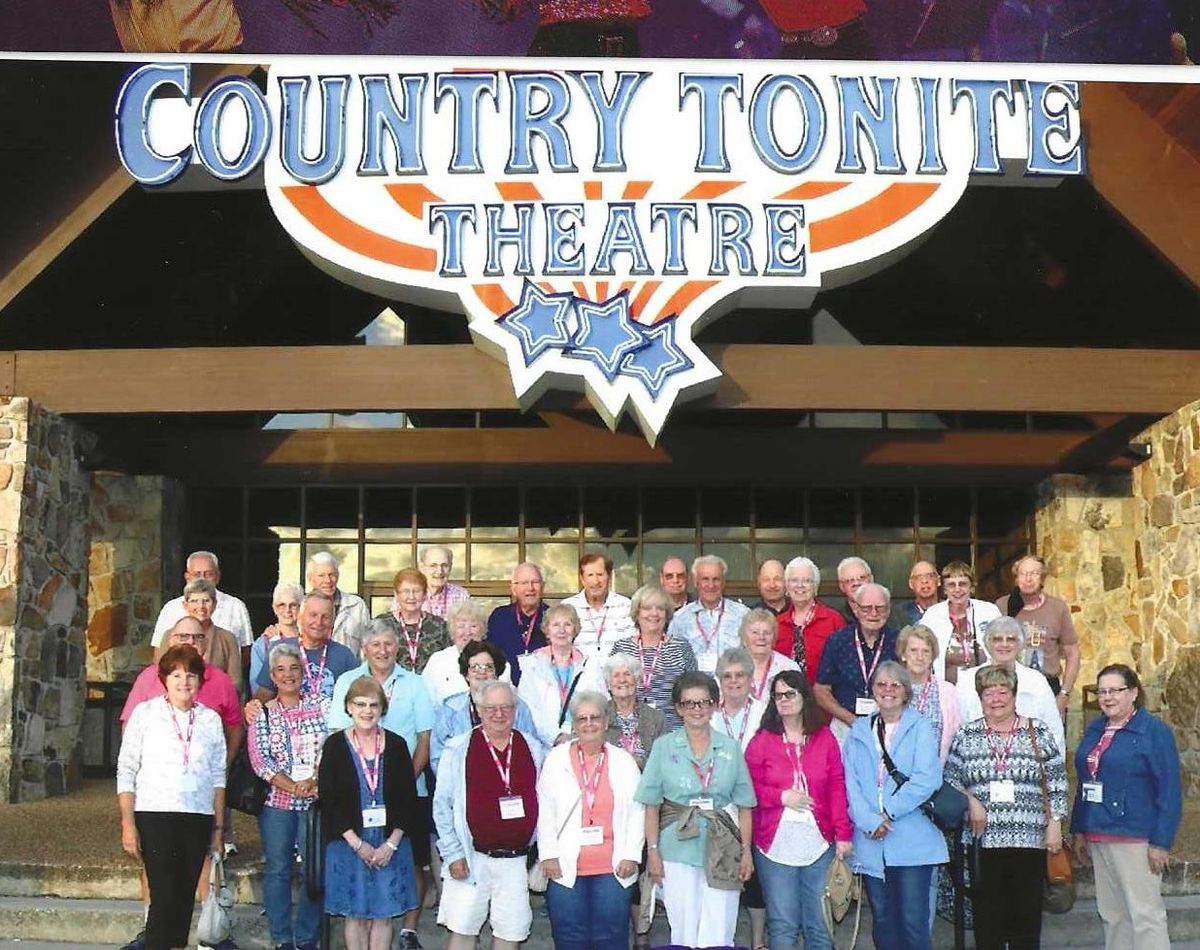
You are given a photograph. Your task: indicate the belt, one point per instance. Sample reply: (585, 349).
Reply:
(504, 852)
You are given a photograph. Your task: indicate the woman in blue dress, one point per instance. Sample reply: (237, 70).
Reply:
(369, 815)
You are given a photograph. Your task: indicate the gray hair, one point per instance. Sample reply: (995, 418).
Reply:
(381, 627)
(200, 586)
(621, 661)
(735, 656)
(858, 594)
(482, 689)
(802, 563)
(208, 554)
(281, 650)
(323, 558)
(426, 551)
(898, 673)
(853, 561)
(538, 570)
(287, 587)
(1004, 625)
(598, 700)
(469, 609)
(316, 595)
(712, 560)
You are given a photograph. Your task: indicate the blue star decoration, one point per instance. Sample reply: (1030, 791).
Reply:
(606, 334)
(539, 321)
(659, 359)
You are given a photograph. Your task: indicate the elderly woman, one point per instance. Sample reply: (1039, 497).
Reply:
(933, 698)
(284, 746)
(369, 816)
(663, 658)
(170, 784)
(1127, 810)
(759, 632)
(590, 832)
(222, 649)
(805, 623)
(551, 674)
(421, 634)
(958, 622)
(1011, 769)
(632, 725)
(697, 853)
(285, 602)
(796, 767)
(467, 622)
(1004, 640)
(479, 662)
(896, 847)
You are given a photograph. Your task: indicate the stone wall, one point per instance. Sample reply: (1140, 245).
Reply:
(43, 599)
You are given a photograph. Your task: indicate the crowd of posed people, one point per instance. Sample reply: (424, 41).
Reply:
(617, 752)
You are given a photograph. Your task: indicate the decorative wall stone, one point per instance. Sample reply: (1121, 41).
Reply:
(43, 599)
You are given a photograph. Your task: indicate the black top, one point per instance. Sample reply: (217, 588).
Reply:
(339, 788)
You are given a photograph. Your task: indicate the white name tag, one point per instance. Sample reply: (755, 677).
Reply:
(591, 835)
(374, 817)
(188, 782)
(1093, 792)
(302, 773)
(704, 804)
(512, 806)
(707, 662)
(865, 706)
(803, 816)
(1003, 791)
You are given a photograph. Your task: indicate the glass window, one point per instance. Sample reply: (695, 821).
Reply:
(214, 513)
(725, 513)
(273, 512)
(778, 513)
(560, 567)
(993, 568)
(262, 568)
(331, 513)
(947, 551)
(494, 562)
(831, 514)
(945, 512)
(551, 512)
(347, 558)
(888, 513)
(890, 565)
(291, 565)
(653, 556)
(737, 557)
(382, 561)
(827, 557)
(1003, 512)
(781, 552)
(441, 512)
(388, 513)
(624, 558)
(669, 514)
(261, 614)
(610, 512)
(495, 513)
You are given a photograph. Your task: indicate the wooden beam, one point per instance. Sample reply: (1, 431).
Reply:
(1151, 181)
(324, 378)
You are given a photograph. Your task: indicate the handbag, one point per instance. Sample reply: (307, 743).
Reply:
(946, 807)
(244, 790)
(842, 888)
(216, 920)
(538, 882)
(1059, 894)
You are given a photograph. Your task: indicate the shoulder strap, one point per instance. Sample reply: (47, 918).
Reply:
(562, 715)
(1041, 769)
(887, 759)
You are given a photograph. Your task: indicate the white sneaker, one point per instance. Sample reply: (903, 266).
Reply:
(230, 849)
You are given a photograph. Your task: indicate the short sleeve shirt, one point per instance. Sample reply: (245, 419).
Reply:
(841, 669)
(318, 680)
(1047, 630)
(507, 628)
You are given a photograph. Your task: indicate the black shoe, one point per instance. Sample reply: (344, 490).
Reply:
(137, 943)
(409, 941)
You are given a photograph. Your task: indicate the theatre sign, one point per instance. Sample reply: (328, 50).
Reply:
(589, 221)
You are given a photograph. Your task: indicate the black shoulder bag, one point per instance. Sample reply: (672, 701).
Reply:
(946, 808)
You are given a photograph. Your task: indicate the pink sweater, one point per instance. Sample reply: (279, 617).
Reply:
(771, 773)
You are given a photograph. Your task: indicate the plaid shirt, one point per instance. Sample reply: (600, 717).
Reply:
(282, 738)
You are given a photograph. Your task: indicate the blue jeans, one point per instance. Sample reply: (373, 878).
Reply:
(793, 897)
(282, 832)
(900, 907)
(593, 914)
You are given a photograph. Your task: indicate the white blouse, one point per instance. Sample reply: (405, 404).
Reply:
(442, 677)
(151, 761)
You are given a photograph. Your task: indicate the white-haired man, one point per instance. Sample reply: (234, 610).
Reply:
(352, 619)
(852, 573)
(516, 628)
(229, 613)
(709, 624)
(436, 562)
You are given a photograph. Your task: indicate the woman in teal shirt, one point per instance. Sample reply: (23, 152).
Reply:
(694, 781)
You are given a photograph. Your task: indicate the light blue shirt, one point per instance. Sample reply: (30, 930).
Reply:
(709, 632)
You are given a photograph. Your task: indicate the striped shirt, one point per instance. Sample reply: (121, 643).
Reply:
(660, 668)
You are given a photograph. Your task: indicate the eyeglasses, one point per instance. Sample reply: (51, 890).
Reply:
(956, 582)
(363, 704)
(927, 576)
(191, 637)
(734, 675)
(800, 582)
(481, 667)
(886, 686)
(502, 708)
(873, 608)
(695, 703)
(785, 694)
(287, 606)
(1001, 638)
(589, 718)
(1110, 691)
(855, 581)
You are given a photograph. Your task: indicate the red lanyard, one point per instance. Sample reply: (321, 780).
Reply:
(862, 662)
(729, 725)
(704, 777)
(648, 672)
(1106, 738)
(413, 646)
(527, 633)
(1000, 755)
(599, 630)
(564, 686)
(589, 785)
(370, 772)
(505, 770)
(799, 627)
(315, 683)
(186, 743)
(795, 754)
(631, 742)
(757, 690)
(716, 631)
(924, 694)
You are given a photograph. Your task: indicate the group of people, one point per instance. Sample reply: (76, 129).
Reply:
(700, 751)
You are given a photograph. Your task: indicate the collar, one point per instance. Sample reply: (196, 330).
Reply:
(398, 672)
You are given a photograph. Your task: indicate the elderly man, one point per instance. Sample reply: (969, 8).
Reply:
(1051, 643)
(710, 624)
(772, 592)
(603, 613)
(351, 619)
(409, 715)
(852, 573)
(229, 612)
(516, 628)
(324, 660)
(436, 562)
(217, 692)
(485, 808)
(923, 582)
(843, 687)
(673, 578)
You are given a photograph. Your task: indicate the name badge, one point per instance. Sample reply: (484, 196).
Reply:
(1003, 791)
(865, 706)
(591, 835)
(375, 817)
(512, 806)
(707, 662)
(188, 782)
(302, 773)
(704, 804)
(803, 816)
(1093, 792)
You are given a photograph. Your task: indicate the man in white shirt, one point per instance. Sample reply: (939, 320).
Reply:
(229, 613)
(436, 562)
(603, 613)
(352, 620)
(710, 624)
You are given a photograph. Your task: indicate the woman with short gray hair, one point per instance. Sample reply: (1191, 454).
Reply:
(631, 724)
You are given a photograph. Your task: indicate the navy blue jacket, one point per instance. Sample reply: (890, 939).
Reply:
(1143, 795)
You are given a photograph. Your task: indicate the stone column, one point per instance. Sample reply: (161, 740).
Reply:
(43, 599)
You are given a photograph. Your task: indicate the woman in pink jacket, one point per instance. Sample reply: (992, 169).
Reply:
(801, 819)
(933, 698)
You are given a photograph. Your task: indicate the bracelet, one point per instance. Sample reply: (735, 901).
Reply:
(388, 844)
(651, 847)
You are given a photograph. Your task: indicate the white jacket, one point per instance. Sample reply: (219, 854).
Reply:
(539, 689)
(560, 805)
(937, 619)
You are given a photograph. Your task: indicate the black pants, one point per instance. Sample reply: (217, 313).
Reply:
(586, 39)
(173, 849)
(1008, 899)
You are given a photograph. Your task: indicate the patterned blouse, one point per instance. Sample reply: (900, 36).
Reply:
(288, 741)
(927, 700)
(661, 666)
(974, 765)
(419, 643)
